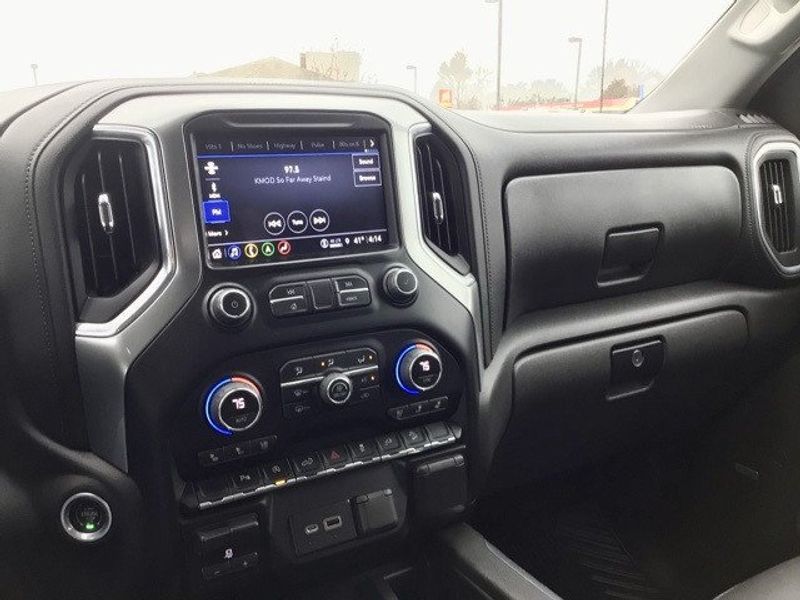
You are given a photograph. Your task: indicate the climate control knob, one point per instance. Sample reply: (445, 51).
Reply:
(233, 405)
(336, 389)
(418, 368)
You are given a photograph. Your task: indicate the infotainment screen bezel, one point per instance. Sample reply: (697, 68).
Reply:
(298, 124)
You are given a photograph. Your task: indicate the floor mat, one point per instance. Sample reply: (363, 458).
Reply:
(574, 550)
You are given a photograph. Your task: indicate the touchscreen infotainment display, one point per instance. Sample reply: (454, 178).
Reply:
(269, 199)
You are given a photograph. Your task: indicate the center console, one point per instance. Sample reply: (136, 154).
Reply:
(308, 401)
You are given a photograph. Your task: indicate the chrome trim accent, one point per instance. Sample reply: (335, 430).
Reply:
(760, 156)
(105, 212)
(81, 536)
(105, 351)
(163, 224)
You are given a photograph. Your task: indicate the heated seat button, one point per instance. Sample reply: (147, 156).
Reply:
(209, 458)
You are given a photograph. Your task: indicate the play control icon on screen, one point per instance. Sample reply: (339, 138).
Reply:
(320, 221)
(274, 223)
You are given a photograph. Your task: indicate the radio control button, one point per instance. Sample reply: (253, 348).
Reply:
(350, 282)
(354, 298)
(288, 291)
(298, 222)
(288, 307)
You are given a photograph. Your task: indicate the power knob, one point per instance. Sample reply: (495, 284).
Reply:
(400, 286)
(418, 368)
(230, 306)
(233, 405)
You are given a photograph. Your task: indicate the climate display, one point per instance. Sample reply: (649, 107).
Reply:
(276, 200)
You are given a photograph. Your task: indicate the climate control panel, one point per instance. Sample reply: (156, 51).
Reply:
(277, 400)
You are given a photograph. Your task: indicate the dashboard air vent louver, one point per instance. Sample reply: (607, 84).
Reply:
(114, 216)
(442, 200)
(777, 207)
(754, 119)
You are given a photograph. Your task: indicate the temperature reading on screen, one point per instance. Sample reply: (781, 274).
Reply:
(291, 169)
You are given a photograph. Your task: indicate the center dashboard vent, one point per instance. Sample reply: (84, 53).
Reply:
(778, 203)
(442, 201)
(113, 217)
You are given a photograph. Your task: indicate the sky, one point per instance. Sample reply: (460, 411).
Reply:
(151, 38)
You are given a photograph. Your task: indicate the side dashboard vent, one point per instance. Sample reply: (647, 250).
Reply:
(778, 203)
(755, 119)
(442, 201)
(114, 216)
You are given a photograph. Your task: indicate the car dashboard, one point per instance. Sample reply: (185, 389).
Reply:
(263, 333)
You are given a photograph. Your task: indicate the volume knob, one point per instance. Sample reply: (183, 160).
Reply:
(400, 286)
(230, 306)
(233, 405)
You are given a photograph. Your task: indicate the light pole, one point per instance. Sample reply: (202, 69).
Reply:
(577, 40)
(498, 98)
(413, 68)
(603, 65)
(34, 68)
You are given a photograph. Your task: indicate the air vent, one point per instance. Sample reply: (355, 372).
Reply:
(441, 199)
(114, 216)
(778, 203)
(755, 119)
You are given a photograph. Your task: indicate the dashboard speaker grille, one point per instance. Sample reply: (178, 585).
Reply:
(777, 206)
(114, 216)
(441, 200)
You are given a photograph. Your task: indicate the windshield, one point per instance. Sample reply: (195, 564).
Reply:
(463, 54)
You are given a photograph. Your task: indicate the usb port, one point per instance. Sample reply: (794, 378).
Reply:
(331, 523)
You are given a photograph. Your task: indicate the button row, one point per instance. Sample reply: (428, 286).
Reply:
(217, 456)
(418, 409)
(257, 480)
(312, 367)
(302, 297)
